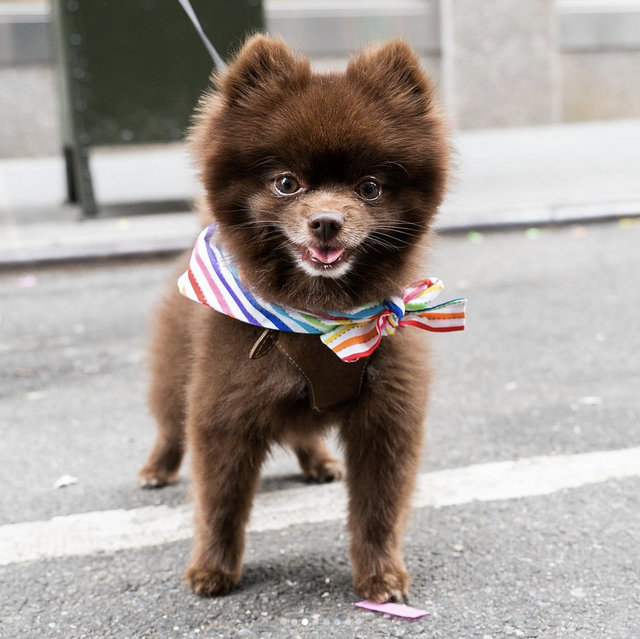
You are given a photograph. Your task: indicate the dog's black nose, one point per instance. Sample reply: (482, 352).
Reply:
(325, 226)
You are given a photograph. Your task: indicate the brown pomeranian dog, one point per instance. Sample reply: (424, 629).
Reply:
(322, 188)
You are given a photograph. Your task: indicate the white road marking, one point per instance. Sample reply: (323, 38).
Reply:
(107, 531)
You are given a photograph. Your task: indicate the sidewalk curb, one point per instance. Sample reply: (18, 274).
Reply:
(496, 221)
(542, 216)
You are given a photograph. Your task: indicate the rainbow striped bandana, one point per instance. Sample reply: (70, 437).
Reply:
(214, 280)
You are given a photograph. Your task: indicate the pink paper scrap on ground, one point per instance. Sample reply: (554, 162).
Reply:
(398, 610)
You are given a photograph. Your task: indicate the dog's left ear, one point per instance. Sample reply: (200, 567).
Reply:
(262, 64)
(392, 70)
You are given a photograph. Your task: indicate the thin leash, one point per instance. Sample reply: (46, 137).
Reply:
(215, 56)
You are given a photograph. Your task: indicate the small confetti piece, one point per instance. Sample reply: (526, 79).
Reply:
(27, 281)
(591, 401)
(398, 610)
(533, 233)
(123, 224)
(65, 480)
(475, 237)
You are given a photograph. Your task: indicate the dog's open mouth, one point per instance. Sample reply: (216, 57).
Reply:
(323, 257)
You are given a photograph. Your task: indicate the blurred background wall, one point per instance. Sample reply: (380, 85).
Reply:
(500, 63)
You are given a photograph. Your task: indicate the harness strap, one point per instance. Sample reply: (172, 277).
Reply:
(330, 380)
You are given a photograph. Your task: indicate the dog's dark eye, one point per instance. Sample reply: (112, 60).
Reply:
(286, 185)
(369, 190)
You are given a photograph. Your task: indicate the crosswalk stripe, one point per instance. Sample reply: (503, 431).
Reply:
(112, 530)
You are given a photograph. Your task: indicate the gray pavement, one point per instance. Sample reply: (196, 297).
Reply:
(549, 365)
(554, 567)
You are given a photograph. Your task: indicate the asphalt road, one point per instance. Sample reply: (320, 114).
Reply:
(549, 365)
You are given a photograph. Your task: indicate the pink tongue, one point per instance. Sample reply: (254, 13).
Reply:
(326, 256)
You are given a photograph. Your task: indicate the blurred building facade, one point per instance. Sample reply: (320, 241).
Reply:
(499, 63)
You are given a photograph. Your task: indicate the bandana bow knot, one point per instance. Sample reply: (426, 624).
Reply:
(213, 280)
(393, 314)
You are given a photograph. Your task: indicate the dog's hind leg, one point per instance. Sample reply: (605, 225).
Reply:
(167, 399)
(315, 460)
(163, 465)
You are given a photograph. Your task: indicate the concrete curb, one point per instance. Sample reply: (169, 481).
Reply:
(543, 216)
(100, 246)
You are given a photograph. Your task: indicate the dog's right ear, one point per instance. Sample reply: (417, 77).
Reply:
(261, 63)
(392, 71)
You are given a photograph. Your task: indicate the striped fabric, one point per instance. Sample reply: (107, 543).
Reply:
(213, 280)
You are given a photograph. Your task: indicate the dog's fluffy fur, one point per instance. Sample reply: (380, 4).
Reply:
(328, 134)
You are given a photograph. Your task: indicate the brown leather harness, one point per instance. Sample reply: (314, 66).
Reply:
(330, 380)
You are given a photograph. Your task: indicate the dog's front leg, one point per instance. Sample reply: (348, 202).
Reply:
(382, 443)
(227, 457)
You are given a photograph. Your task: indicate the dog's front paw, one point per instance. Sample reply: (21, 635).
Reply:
(392, 585)
(210, 583)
